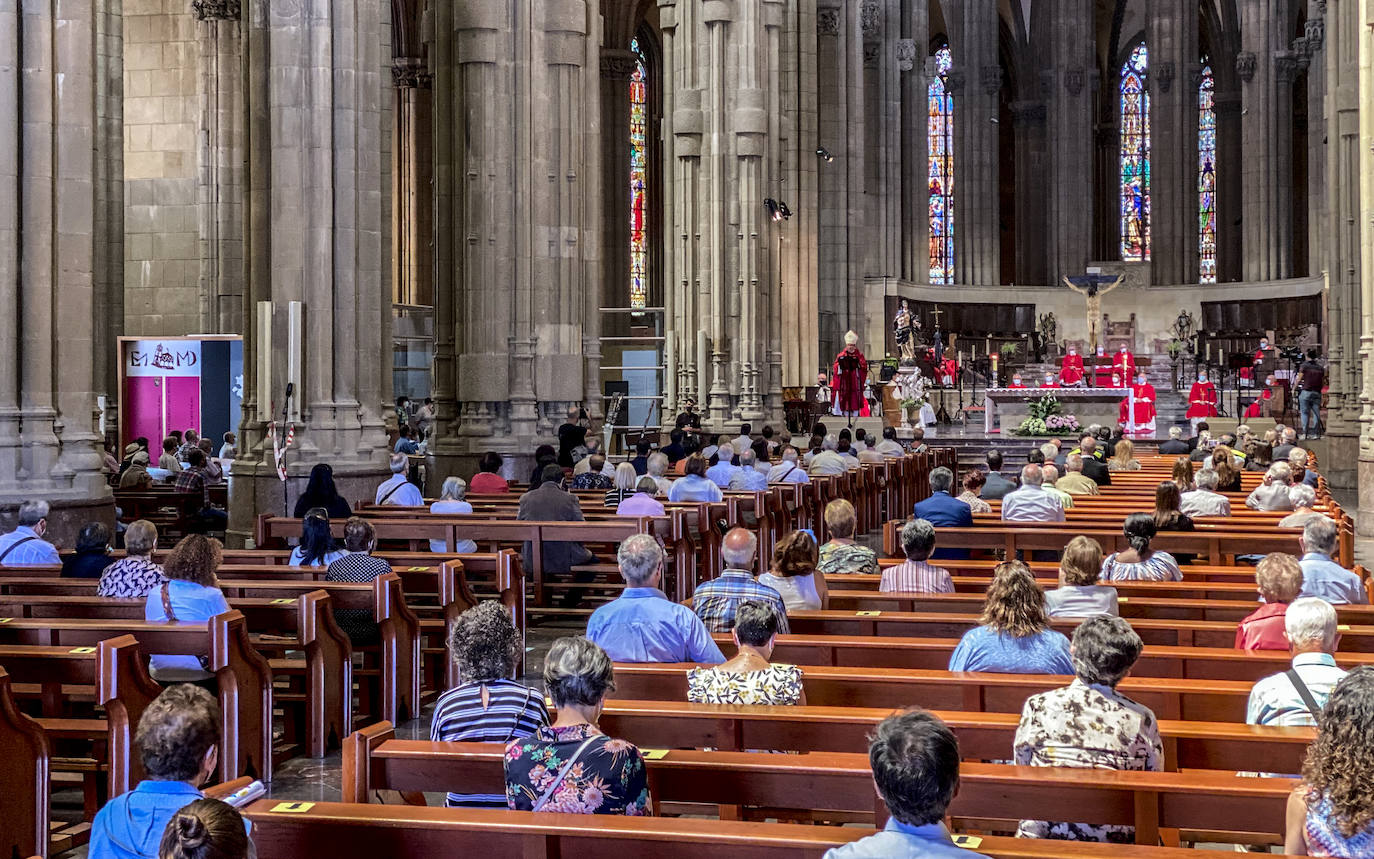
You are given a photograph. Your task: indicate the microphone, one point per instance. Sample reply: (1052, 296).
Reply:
(290, 389)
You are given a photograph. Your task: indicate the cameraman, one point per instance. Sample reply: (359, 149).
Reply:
(1311, 380)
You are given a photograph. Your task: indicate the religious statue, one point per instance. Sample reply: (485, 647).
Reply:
(904, 326)
(1093, 291)
(847, 376)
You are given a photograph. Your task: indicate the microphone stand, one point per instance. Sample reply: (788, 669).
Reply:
(285, 411)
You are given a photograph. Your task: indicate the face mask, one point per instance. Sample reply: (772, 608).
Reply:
(1073, 351)
(1016, 380)
(1049, 380)
(1140, 381)
(1264, 344)
(1101, 351)
(1202, 378)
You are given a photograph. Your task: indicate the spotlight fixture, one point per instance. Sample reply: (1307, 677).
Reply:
(786, 212)
(824, 154)
(776, 210)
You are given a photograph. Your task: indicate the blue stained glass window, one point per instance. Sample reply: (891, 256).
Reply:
(1135, 158)
(1207, 176)
(940, 175)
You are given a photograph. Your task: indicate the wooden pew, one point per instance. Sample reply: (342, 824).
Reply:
(285, 830)
(982, 736)
(889, 651)
(843, 782)
(978, 692)
(243, 676)
(25, 758)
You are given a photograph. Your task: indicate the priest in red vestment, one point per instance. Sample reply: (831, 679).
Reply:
(1123, 365)
(1071, 369)
(1247, 374)
(1144, 415)
(948, 371)
(1102, 370)
(1260, 407)
(1016, 382)
(1202, 400)
(847, 375)
(1049, 381)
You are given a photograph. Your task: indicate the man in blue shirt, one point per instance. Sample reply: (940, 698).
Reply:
(747, 477)
(25, 546)
(642, 624)
(404, 444)
(941, 508)
(1321, 576)
(178, 741)
(915, 760)
(723, 472)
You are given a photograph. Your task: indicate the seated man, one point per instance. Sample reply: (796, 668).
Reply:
(595, 475)
(550, 503)
(1272, 493)
(715, 601)
(1175, 446)
(1296, 697)
(1031, 503)
(1205, 500)
(915, 760)
(915, 575)
(747, 477)
(889, 446)
(642, 624)
(396, 490)
(942, 509)
(1089, 724)
(1051, 477)
(1287, 444)
(25, 546)
(788, 471)
(178, 742)
(827, 461)
(1074, 482)
(404, 443)
(1321, 576)
(194, 481)
(997, 486)
(1094, 461)
(724, 470)
(641, 458)
(1302, 471)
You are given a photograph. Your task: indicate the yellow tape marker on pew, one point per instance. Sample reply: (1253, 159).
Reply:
(654, 754)
(292, 807)
(283, 601)
(867, 613)
(6, 619)
(969, 841)
(1123, 599)
(1342, 627)
(82, 650)
(416, 569)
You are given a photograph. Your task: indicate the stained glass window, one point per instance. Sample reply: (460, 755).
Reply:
(1207, 177)
(1135, 158)
(639, 179)
(940, 176)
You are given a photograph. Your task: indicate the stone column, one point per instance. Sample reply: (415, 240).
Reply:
(1353, 17)
(412, 221)
(1173, 79)
(1230, 156)
(976, 81)
(1267, 69)
(317, 191)
(915, 192)
(109, 219)
(51, 219)
(220, 185)
(880, 22)
(1312, 61)
(1032, 210)
(1072, 79)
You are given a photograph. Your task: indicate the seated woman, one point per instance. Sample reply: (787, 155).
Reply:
(1228, 472)
(749, 678)
(1123, 457)
(1302, 497)
(486, 706)
(842, 554)
(1013, 635)
(489, 479)
(206, 829)
(973, 484)
(1332, 812)
(357, 565)
(451, 500)
(191, 594)
(643, 502)
(1079, 594)
(1279, 579)
(694, 486)
(1089, 724)
(320, 491)
(135, 574)
(1272, 493)
(1169, 515)
(793, 574)
(317, 547)
(622, 485)
(570, 766)
(1140, 563)
(1183, 474)
(92, 554)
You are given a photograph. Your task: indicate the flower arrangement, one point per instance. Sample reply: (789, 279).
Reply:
(1047, 418)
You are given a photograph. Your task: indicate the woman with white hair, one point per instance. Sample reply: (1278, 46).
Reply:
(622, 485)
(658, 467)
(1272, 493)
(451, 501)
(1304, 500)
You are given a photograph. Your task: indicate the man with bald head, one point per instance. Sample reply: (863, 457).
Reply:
(1031, 503)
(716, 601)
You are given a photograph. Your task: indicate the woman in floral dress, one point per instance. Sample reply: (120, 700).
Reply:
(571, 766)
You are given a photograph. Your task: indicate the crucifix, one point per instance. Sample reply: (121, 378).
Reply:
(1092, 286)
(938, 338)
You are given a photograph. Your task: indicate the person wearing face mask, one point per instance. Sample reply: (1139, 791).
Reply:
(1016, 382)
(1247, 374)
(1123, 365)
(1202, 400)
(1260, 407)
(1144, 413)
(1049, 381)
(1071, 369)
(1102, 369)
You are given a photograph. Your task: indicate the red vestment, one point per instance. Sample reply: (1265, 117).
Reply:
(1014, 385)
(1254, 409)
(1123, 365)
(1144, 408)
(1202, 400)
(1047, 385)
(847, 375)
(1248, 372)
(1071, 370)
(1102, 371)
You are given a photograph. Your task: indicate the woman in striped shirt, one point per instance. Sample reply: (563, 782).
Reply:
(487, 706)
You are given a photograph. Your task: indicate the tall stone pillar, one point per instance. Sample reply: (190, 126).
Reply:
(1072, 80)
(1350, 19)
(1032, 210)
(1267, 69)
(50, 223)
(1230, 197)
(880, 22)
(412, 220)
(517, 223)
(915, 154)
(220, 185)
(976, 81)
(1174, 77)
(317, 82)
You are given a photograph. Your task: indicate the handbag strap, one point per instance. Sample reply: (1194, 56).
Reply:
(562, 774)
(391, 492)
(15, 545)
(167, 602)
(1304, 693)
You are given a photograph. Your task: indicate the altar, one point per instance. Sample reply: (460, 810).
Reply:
(1088, 405)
